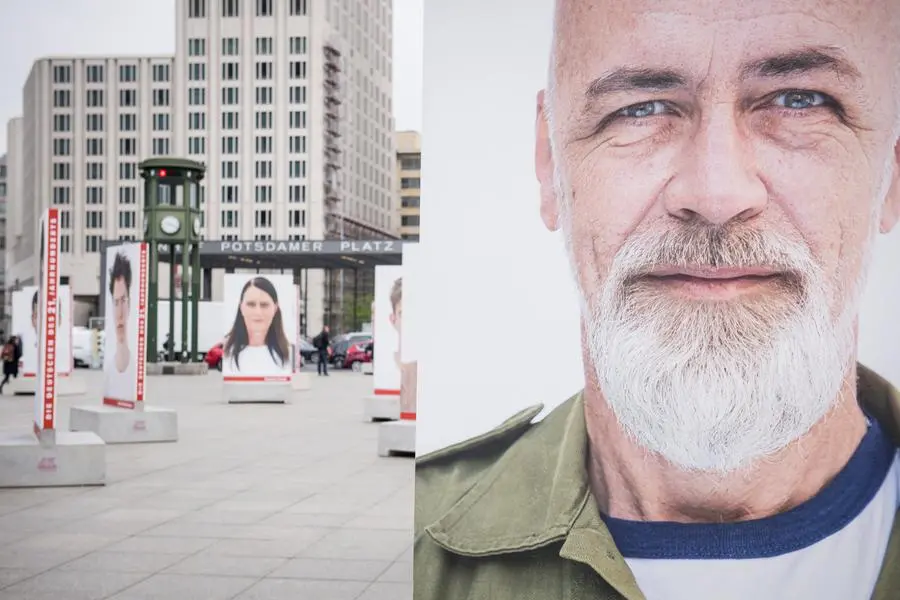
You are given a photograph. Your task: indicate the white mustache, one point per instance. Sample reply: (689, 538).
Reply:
(700, 246)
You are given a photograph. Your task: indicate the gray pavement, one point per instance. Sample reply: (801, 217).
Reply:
(254, 502)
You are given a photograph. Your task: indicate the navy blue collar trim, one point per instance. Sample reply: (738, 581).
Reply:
(839, 503)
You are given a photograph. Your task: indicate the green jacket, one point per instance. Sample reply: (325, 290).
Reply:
(509, 515)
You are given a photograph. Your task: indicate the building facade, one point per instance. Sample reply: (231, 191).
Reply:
(20, 242)
(287, 102)
(87, 124)
(4, 307)
(409, 183)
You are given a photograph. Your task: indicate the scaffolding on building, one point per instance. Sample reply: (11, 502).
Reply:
(333, 162)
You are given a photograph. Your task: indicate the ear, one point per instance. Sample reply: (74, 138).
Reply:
(544, 167)
(890, 212)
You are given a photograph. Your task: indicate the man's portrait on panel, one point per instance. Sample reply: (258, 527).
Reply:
(719, 171)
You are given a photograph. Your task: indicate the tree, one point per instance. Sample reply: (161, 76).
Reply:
(355, 315)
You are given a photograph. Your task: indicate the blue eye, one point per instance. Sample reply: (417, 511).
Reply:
(800, 100)
(643, 110)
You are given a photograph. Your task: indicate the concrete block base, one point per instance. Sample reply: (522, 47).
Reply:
(368, 368)
(301, 382)
(257, 393)
(22, 386)
(177, 368)
(66, 385)
(124, 426)
(76, 458)
(397, 438)
(381, 408)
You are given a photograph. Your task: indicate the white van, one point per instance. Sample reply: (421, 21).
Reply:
(82, 346)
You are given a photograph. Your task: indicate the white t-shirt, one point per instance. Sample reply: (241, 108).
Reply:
(829, 548)
(120, 386)
(256, 361)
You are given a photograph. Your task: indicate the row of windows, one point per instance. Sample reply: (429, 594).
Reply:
(264, 144)
(230, 194)
(229, 219)
(262, 169)
(231, 70)
(263, 119)
(62, 171)
(127, 122)
(263, 95)
(231, 46)
(197, 9)
(94, 147)
(62, 195)
(160, 73)
(93, 219)
(94, 195)
(96, 98)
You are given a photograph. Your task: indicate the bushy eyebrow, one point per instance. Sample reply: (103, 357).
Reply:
(796, 62)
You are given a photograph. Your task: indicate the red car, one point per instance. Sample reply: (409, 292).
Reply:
(356, 356)
(213, 357)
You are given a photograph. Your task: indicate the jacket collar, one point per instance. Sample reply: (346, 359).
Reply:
(537, 493)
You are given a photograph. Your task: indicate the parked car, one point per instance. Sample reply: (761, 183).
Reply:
(357, 355)
(307, 351)
(213, 357)
(349, 350)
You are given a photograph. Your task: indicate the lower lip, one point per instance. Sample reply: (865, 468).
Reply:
(715, 289)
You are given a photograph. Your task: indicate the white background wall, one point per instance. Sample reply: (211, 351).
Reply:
(498, 302)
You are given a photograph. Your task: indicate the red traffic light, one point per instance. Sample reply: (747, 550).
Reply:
(162, 172)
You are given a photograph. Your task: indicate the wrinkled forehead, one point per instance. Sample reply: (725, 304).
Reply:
(714, 39)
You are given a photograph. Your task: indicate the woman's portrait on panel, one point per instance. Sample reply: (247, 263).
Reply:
(257, 344)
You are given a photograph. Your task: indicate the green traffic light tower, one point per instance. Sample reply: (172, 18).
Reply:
(173, 217)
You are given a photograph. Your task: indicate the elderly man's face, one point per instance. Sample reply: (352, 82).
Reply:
(719, 168)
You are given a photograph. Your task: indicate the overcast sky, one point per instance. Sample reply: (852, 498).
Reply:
(31, 29)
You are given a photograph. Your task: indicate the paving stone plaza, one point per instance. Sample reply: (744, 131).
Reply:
(254, 502)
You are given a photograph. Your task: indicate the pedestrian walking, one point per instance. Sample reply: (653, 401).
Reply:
(11, 353)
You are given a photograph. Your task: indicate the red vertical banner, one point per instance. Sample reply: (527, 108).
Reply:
(45, 396)
(142, 324)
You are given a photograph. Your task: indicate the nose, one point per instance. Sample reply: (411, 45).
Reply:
(717, 178)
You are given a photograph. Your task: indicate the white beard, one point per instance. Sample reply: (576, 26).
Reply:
(715, 386)
(711, 386)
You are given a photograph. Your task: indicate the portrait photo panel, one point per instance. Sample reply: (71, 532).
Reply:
(47, 322)
(388, 283)
(24, 325)
(123, 363)
(64, 362)
(408, 313)
(260, 327)
(675, 273)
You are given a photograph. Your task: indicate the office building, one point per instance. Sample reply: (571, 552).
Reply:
(87, 124)
(18, 266)
(288, 103)
(409, 178)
